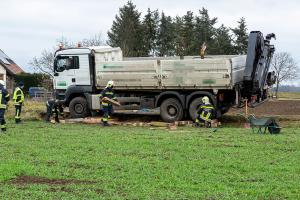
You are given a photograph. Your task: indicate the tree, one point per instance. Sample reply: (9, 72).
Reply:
(150, 29)
(241, 37)
(285, 68)
(165, 42)
(179, 37)
(188, 33)
(126, 31)
(222, 44)
(44, 63)
(204, 30)
(96, 40)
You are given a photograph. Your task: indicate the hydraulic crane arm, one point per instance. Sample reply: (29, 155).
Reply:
(259, 55)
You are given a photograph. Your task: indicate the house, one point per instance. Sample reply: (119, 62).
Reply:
(8, 70)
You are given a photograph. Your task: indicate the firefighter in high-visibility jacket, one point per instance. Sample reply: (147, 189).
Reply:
(107, 108)
(18, 101)
(4, 98)
(205, 113)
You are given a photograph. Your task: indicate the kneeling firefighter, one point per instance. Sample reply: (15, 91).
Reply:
(205, 113)
(107, 93)
(54, 108)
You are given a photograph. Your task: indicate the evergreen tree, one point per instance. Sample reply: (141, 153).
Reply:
(126, 31)
(204, 31)
(241, 37)
(150, 31)
(188, 33)
(222, 44)
(179, 37)
(165, 42)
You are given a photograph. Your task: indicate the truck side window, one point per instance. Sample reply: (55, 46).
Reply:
(66, 62)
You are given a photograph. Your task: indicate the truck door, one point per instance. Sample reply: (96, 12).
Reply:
(64, 68)
(82, 72)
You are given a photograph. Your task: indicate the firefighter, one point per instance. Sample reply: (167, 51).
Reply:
(3, 104)
(18, 101)
(54, 108)
(107, 108)
(205, 113)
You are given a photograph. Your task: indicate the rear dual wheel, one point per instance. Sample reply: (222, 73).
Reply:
(171, 110)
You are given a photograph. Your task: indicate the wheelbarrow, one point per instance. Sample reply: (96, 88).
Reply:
(263, 124)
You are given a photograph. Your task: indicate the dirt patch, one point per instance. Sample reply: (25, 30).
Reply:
(273, 107)
(24, 180)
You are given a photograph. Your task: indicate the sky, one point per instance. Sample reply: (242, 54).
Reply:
(28, 27)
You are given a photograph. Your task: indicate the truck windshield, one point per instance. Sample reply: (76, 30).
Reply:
(63, 63)
(66, 62)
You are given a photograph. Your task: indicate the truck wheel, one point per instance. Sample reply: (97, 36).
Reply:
(171, 110)
(193, 107)
(78, 107)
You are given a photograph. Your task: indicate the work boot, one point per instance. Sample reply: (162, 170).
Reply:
(18, 121)
(3, 129)
(106, 124)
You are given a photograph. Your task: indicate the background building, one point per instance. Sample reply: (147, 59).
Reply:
(8, 70)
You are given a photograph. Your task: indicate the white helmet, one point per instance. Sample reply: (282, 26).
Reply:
(205, 100)
(110, 83)
(2, 83)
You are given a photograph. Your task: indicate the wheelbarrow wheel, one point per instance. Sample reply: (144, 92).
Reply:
(274, 128)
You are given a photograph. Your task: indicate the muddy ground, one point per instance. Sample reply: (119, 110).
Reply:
(273, 107)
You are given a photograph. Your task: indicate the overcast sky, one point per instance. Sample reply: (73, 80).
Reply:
(29, 26)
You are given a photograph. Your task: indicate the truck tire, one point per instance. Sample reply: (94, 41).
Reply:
(78, 107)
(193, 107)
(171, 110)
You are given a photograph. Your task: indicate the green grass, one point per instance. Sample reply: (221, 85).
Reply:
(289, 95)
(139, 163)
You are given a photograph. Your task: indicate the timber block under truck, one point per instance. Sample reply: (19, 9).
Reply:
(171, 85)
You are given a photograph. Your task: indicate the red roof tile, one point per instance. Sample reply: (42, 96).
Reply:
(11, 67)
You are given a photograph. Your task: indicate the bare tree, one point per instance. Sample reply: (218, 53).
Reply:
(96, 40)
(44, 63)
(285, 68)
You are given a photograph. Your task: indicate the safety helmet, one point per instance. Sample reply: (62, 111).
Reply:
(2, 83)
(110, 83)
(205, 100)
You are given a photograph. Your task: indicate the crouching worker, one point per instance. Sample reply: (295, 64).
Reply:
(3, 104)
(205, 113)
(107, 93)
(54, 109)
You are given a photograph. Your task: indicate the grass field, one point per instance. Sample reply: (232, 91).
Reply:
(289, 95)
(73, 161)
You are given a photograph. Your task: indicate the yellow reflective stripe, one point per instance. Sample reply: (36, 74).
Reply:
(205, 117)
(104, 104)
(3, 106)
(109, 93)
(104, 119)
(7, 95)
(18, 95)
(208, 107)
(3, 126)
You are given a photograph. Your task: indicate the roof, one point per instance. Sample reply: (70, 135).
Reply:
(10, 66)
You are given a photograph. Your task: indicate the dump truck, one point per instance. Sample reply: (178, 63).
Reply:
(173, 86)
